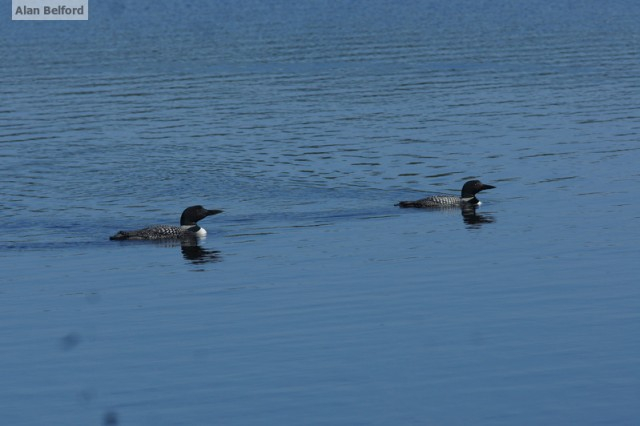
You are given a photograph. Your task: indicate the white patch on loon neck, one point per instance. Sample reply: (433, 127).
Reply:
(467, 199)
(199, 232)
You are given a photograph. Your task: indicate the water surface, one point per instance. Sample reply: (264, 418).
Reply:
(314, 300)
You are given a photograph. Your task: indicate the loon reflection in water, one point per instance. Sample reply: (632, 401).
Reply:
(190, 248)
(473, 219)
(197, 255)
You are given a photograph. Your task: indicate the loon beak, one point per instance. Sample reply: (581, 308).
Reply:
(486, 187)
(212, 212)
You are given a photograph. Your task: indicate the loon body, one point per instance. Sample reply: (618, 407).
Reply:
(467, 197)
(188, 227)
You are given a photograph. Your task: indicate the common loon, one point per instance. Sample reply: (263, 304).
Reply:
(188, 227)
(467, 197)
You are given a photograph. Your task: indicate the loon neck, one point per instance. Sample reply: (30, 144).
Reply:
(470, 200)
(196, 229)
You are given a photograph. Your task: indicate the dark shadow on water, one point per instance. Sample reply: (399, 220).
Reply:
(70, 341)
(110, 418)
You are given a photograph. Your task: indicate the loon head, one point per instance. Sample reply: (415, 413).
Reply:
(472, 187)
(191, 215)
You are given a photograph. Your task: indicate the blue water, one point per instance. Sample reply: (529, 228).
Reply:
(313, 299)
